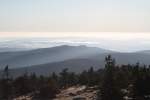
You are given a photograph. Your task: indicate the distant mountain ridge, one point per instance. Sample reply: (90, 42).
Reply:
(77, 58)
(144, 51)
(48, 55)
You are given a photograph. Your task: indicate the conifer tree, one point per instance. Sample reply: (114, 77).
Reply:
(109, 90)
(6, 85)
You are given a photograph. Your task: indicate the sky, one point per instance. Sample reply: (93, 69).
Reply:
(111, 24)
(74, 16)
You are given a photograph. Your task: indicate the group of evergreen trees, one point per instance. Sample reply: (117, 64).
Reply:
(114, 82)
(38, 87)
(124, 82)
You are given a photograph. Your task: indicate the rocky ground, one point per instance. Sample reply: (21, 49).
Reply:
(71, 93)
(77, 93)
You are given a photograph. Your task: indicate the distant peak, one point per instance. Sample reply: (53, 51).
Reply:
(72, 46)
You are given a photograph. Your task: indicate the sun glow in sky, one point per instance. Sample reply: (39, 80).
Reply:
(100, 35)
(107, 35)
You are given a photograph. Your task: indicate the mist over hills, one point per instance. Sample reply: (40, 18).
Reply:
(22, 44)
(48, 55)
(76, 58)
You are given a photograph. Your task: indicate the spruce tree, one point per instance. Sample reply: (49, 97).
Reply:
(6, 85)
(109, 89)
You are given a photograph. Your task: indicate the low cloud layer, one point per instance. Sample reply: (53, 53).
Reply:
(123, 44)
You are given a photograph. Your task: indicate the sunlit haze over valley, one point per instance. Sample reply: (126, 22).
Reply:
(122, 42)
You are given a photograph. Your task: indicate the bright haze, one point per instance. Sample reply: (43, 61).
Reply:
(122, 42)
(120, 25)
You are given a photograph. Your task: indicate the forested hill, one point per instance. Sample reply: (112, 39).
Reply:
(76, 58)
(48, 55)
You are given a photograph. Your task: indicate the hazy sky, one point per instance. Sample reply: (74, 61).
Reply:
(122, 25)
(74, 16)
